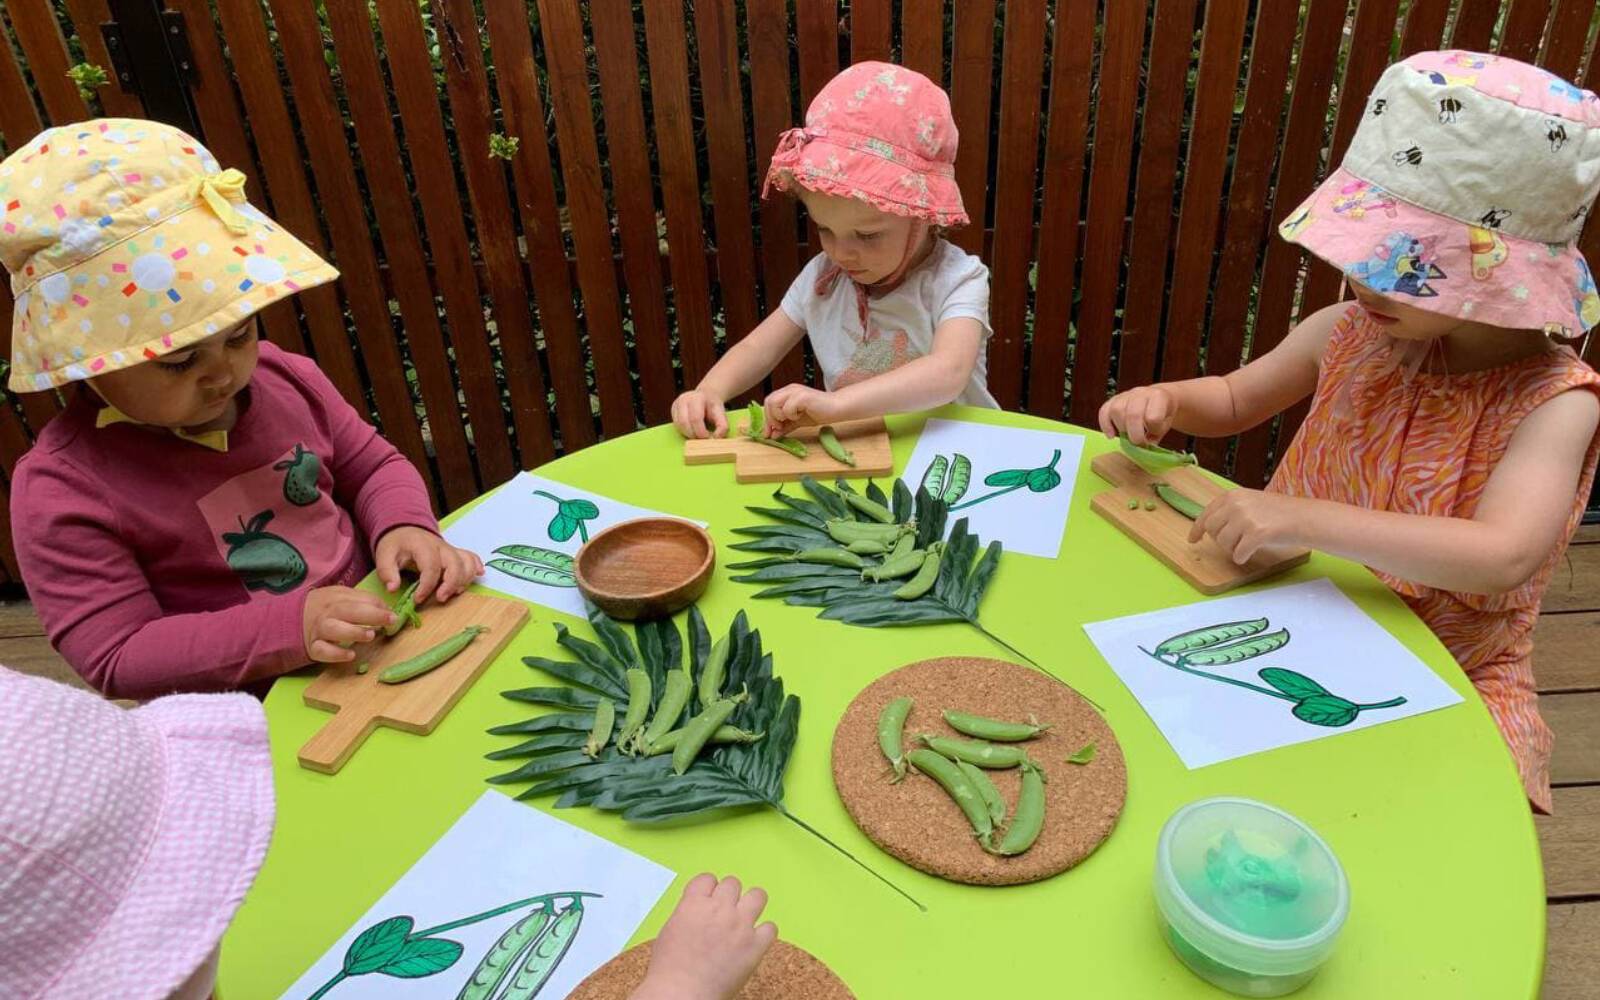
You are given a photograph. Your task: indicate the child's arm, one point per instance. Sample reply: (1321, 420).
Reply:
(1221, 406)
(932, 380)
(710, 945)
(1521, 516)
(699, 412)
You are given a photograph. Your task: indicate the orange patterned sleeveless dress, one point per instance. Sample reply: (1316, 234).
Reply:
(1427, 446)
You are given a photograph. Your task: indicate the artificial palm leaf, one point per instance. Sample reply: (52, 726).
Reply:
(644, 789)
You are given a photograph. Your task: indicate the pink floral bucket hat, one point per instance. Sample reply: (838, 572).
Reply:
(881, 134)
(1463, 191)
(127, 837)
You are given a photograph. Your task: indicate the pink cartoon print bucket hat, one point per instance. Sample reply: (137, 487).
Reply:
(128, 837)
(1467, 182)
(126, 241)
(878, 133)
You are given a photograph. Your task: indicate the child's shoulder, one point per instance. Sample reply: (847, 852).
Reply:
(954, 265)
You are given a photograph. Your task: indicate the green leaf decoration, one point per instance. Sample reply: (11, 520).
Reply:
(1212, 635)
(1006, 477)
(534, 554)
(545, 723)
(1327, 710)
(556, 697)
(933, 477)
(423, 957)
(534, 573)
(955, 485)
(1257, 645)
(1295, 685)
(902, 503)
(376, 946)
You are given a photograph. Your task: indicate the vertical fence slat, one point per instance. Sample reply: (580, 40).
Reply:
(817, 34)
(1424, 26)
(1071, 65)
(257, 73)
(1524, 29)
(221, 122)
(87, 16)
(668, 53)
(922, 37)
(39, 34)
(768, 30)
(633, 191)
(1246, 228)
(1297, 176)
(1569, 33)
(390, 193)
(871, 25)
(1203, 176)
(1171, 45)
(342, 200)
(1121, 47)
(971, 84)
(411, 74)
(1016, 165)
(19, 117)
(1474, 27)
(717, 38)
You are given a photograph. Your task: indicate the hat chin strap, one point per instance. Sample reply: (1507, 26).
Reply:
(913, 254)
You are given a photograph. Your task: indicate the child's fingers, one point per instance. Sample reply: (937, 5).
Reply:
(339, 632)
(727, 891)
(719, 420)
(361, 608)
(388, 570)
(322, 651)
(766, 934)
(701, 885)
(426, 561)
(751, 905)
(1107, 427)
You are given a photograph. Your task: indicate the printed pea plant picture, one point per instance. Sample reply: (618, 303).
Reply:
(586, 898)
(1013, 484)
(1235, 676)
(527, 531)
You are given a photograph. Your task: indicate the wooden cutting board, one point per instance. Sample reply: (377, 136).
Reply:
(867, 440)
(361, 703)
(1164, 533)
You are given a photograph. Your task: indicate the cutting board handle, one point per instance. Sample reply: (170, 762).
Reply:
(337, 740)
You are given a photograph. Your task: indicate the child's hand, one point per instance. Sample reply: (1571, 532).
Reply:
(1245, 522)
(339, 617)
(710, 945)
(436, 561)
(1145, 414)
(695, 411)
(796, 404)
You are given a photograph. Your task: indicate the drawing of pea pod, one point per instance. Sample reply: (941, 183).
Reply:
(547, 953)
(1211, 635)
(1235, 652)
(955, 485)
(933, 478)
(534, 554)
(504, 955)
(534, 573)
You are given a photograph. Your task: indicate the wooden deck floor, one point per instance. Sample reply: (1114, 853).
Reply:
(1566, 661)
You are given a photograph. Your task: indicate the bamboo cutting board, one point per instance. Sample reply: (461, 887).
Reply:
(867, 440)
(361, 703)
(1164, 533)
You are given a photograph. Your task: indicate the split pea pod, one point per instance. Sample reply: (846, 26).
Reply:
(405, 609)
(872, 508)
(605, 719)
(867, 548)
(638, 706)
(698, 732)
(433, 658)
(1028, 819)
(993, 729)
(990, 755)
(830, 557)
(674, 699)
(787, 444)
(725, 734)
(948, 775)
(846, 531)
(836, 451)
(498, 961)
(758, 419)
(894, 569)
(891, 735)
(546, 954)
(986, 791)
(1178, 501)
(714, 670)
(1153, 457)
(925, 577)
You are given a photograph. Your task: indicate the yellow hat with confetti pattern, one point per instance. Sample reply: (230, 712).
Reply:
(126, 241)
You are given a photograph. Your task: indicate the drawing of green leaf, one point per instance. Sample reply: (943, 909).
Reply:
(955, 485)
(580, 510)
(933, 477)
(1235, 652)
(1043, 480)
(376, 946)
(1291, 683)
(1211, 635)
(1327, 710)
(1006, 477)
(423, 957)
(562, 528)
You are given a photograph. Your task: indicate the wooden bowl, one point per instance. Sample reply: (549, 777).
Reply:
(651, 567)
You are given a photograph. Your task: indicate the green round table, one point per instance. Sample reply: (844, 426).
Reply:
(1426, 814)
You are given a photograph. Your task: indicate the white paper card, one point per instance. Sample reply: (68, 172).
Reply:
(1012, 483)
(535, 523)
(1327, 669)
(500, 852)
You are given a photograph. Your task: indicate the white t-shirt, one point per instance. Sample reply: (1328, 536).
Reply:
(949, 284)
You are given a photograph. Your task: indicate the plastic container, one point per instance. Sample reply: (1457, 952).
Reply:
(1251, 899)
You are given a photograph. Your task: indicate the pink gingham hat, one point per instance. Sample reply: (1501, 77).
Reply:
(1464, 191)
(881, 134)
(127, 837)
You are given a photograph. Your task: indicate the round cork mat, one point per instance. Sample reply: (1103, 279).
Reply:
(920, 824)
(785, 973)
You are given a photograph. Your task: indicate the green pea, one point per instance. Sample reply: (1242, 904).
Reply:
(1149, 505)
(949, 776)
(698, 732)
(431, 659)
(891, 735)
(865, 548)
(1133, 505)
(993, 729)
(724, 734)
(638, 706)
(836, 451)
(363, 667)
(925, 577)
(830, 557)
(894, 569)
(872, 508)
(674, 699)
(605, 719)
(1028, 819)
(990, 755)
(712, 673)
(986, 791)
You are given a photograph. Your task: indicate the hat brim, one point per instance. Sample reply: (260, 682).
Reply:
(1441, 264)
(215, 825)
(831, 168)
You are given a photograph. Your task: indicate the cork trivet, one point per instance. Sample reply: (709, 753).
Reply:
(785, 973)
(920, 824)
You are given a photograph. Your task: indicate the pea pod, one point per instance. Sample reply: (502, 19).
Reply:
(1154, 458)
(1028, 819)
(903, 545)
(894, 569)
(433, 658)
(925, 577)
(405, 610)
(499, 960)
(546, 954)
(986, 791)
(845, 531)
(993, 729)
(787, 444)
(871, 508)
(713, 671)
(674, 699)
(830, 557)
(891, 735)
(605, 719)
(698, 732)
(724, 734)
(990, 755)
(949, 776)
(865, 548)
(758, 419)
(638, 706)
(836, 451)
(1177, 501)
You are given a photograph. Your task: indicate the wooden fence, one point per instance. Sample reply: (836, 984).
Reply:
(1124, 164)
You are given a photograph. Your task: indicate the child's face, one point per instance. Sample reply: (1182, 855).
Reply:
(867, 243)
(188, 388)
(1401, 321)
